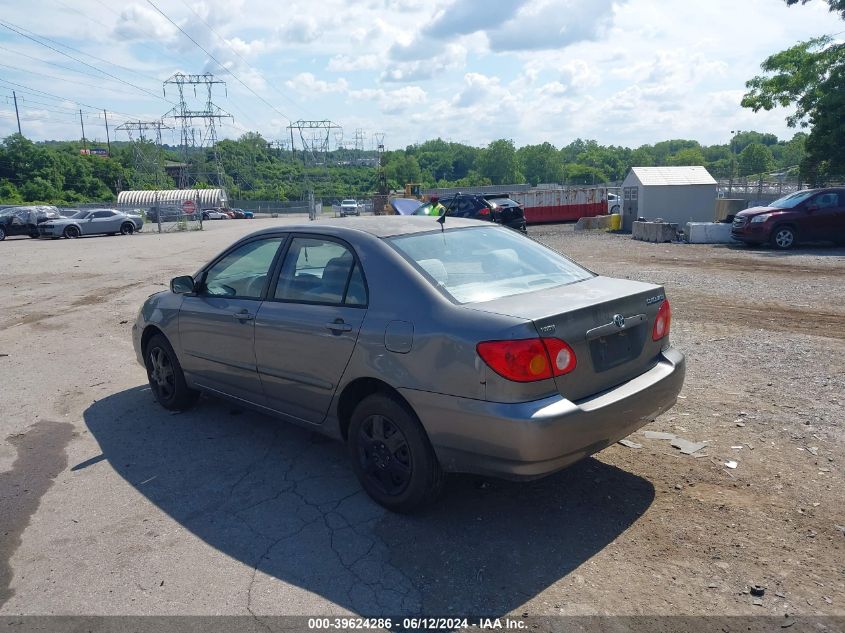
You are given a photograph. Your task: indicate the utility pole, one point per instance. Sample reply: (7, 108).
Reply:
(17, 116)
(84, 143)
(108, 141)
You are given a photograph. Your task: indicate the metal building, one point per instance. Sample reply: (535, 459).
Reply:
(674, 194)
(204, 198)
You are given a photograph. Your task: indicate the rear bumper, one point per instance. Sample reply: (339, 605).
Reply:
(531, 439)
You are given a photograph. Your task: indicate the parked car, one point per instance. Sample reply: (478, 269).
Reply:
(25, 220)
(614, 203)
(213, 214)
(349, 207)
(478, 207)
(804, 216)
(426, 347)
(238, 213)
(249, 215)
(92, 222)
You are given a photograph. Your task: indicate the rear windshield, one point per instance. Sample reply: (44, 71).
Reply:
(481, 264)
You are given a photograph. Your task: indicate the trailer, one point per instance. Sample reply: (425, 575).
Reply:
(562, 204)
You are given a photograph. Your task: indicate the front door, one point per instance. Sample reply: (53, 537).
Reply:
(217, 324)
(307, 328)
(104, 221)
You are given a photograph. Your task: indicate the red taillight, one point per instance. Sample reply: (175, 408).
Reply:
(662, 322)
(527, 360)
(561, 355)
(484, 211)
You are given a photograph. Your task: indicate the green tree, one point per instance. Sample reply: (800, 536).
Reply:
(755, 159)
(689, 156)
(9, 194)
(825, 147)
(541, 163)
(499, 163)
(577, 174)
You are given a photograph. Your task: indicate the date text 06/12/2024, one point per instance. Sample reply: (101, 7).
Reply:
(419, 623)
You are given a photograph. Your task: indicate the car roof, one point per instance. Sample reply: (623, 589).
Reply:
(378, 226)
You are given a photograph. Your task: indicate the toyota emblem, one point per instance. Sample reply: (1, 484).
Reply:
(619, 320)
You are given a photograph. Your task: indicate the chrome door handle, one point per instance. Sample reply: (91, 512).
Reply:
(339, 327)
(243, 316)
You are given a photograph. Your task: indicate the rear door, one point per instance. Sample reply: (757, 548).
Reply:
(307, 328)
(217, 324)
(829, 215)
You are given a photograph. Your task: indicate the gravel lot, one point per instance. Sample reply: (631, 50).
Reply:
(111, 505)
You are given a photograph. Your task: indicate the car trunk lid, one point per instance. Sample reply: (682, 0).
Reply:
(607, 323)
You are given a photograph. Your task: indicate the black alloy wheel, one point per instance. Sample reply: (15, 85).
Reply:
(391, 454)
(165, 376)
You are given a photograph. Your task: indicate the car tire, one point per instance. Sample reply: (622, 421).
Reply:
(783, 238)
(391, 455)
(167, 381)
(614, 209)
(127, 228)
(71, 232)
(2, 234)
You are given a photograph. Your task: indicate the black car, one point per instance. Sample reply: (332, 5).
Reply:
(25, 220)
(478, 207)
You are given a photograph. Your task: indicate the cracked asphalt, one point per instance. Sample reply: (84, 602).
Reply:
(127, 509)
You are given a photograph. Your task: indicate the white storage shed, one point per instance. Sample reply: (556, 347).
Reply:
(675, 194)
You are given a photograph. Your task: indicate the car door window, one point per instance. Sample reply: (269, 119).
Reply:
(242, 272)
(321, 271)
(102, 214)
(826, 200)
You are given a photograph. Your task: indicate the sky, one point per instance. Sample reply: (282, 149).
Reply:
(622, 72)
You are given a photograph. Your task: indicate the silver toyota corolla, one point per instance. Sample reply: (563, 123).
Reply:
(428, 349)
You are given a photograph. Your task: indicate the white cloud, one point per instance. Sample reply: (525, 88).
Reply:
(301, 29)
(347, 63)
(391, 101)
(138, 22)
(307, 83)
(449, 57)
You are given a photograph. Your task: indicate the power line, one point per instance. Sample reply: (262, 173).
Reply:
(76, 50)
(237, 54)
(48, 94)
(216, 61)
(76, 59)
(74, 70)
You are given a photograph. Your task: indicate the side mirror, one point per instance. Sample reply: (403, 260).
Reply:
(182, 285)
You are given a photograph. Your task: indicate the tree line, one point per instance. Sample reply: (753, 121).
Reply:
(55, 172)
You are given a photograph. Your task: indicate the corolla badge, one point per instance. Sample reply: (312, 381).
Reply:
(654, 299)
(619, 320)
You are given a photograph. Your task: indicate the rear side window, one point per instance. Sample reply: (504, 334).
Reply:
(321, 271)
(481, 264)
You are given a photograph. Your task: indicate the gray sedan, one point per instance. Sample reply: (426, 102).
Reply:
(425, 348)
(92, 222)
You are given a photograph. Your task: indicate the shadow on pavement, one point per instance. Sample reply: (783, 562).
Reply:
(283, 500)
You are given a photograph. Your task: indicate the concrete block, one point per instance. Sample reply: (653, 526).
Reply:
(657, 232)
(708, 233)
(594, 223)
